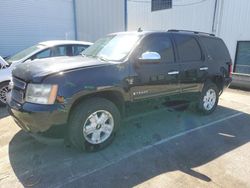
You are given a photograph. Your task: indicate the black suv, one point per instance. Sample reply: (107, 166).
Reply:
(87, 95)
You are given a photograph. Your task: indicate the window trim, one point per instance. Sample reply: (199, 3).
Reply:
(170, 7)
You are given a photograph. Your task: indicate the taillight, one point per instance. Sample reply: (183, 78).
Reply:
(230, 69)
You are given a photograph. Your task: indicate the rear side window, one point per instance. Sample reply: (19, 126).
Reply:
(188, 48)
(216, 48)
(78, 49)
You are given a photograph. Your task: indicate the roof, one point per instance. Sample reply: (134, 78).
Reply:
(63, 42)
(133, 32)
(186, 32)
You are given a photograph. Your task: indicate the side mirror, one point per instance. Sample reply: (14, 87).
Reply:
(150, 57)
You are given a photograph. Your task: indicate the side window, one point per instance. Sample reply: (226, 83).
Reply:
(188, 48)
(59, 51)
(78, 49)
(43, 54)
(216, 48)
(160, 44)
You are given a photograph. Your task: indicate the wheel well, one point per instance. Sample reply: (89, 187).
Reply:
(218, 81)
(3, 82)
(113, 96)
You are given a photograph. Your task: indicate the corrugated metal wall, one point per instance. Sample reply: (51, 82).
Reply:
(234, 23)
(27, 22)
(183, 15)
(96, 18)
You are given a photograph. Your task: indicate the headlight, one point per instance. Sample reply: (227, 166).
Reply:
(41, 93)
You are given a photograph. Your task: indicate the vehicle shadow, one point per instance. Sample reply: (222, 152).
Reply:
(3, 112)
(129, 161)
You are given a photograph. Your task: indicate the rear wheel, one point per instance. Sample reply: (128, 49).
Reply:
(93, 124)
(209, 98)
(4, 89)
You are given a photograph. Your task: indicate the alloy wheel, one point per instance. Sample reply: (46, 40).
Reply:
(3, 92)
(98, 127)
(209, 99)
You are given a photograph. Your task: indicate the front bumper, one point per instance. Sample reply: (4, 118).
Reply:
(37, 118)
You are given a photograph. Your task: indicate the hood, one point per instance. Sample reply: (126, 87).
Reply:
(43, 67)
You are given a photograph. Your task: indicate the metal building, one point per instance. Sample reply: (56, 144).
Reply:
(26, 22)
(228, 19)
(96, 18)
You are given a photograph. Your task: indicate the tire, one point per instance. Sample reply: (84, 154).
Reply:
(208, 99)
(87, 124)
(4, 88)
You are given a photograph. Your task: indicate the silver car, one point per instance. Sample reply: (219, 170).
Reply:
(42, 50)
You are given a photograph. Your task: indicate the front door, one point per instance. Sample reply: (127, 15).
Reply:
(151, 79)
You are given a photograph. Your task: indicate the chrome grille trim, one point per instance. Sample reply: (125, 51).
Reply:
(18, 83)
(18, 90)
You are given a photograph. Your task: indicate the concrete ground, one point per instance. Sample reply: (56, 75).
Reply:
(160, 148)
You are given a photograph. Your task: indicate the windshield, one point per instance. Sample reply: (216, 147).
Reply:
(112, 47)
(24, 53)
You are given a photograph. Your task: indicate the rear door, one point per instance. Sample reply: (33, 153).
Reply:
(155, 79)
(218, 56)
(193, 69)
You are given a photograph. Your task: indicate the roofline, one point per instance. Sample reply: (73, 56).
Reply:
(187, 32)
(63, 42)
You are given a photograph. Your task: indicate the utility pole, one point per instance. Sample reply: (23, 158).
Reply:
(214, 17)
(217, 17)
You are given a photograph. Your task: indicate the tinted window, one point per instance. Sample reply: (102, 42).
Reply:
(216, 48)
(188, 48)
(161, 4)
(43, 54)
(160, 44)
(242, 61)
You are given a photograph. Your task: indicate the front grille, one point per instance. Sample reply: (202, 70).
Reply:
(18, 90)
(19, 83)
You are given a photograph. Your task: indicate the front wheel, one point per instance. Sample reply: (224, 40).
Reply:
(4, 89)
(209, 98)
(93, 124)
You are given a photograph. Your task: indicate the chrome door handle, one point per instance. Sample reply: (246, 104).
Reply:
(203, 68)
(173, 72)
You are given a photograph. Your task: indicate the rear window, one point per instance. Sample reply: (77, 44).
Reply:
(216, 48)
(188, 48)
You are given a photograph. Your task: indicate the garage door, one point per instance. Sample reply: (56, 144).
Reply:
(26, 22)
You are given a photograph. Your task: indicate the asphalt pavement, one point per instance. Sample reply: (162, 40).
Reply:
(158, 147)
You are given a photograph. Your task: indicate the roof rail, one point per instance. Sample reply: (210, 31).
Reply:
(194, 32)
